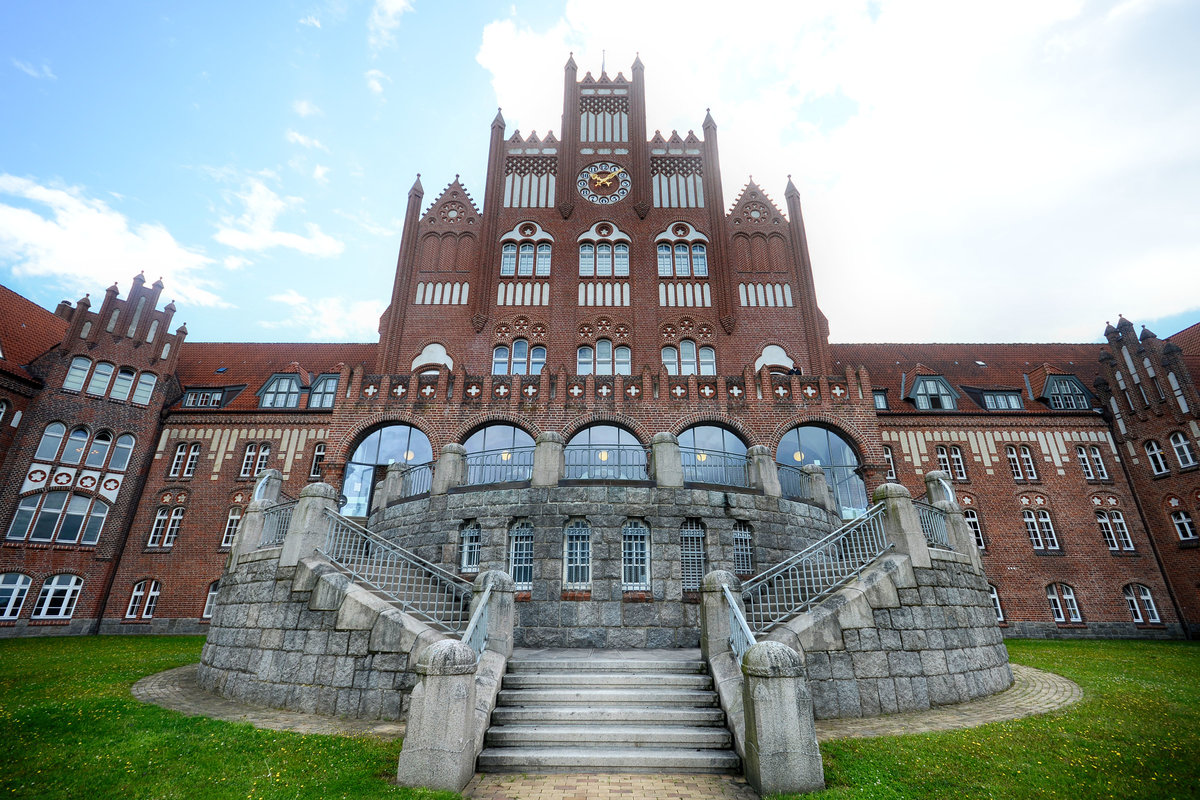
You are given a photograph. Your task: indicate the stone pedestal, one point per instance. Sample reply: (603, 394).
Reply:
(451, 469)
(267, 485)
(900, 523)
(782, 756)
(309, 526)
(714, 615)
(548, 460)
(439, 744)
(249, 532)
(500, 611)
(764, 474)
(666, 462)
(819, 487)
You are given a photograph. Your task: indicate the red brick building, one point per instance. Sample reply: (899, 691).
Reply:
(604, 290)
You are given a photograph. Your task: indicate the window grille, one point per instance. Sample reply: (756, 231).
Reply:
(743, 549)
(635, 558)
(520, 556)
(691, 554)
(578, 554)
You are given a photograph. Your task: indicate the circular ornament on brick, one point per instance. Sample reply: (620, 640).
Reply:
(680, 230)
(604, 229)
(237, 498)
(528, 229)
(1174, 502)
(501, 391)
(37, 475)
(621, 331)
(736, 392)
(670, 333)
(521, 324)
(87, 482)
(181, 497)
(62, 479)
(110, 484)
(705, 332)
(633, 391)
(707, 391)
(503, 331)
(838, 391)
(679, 391)
(530, 391)
(575, 390)
(538, 330)
(781, 391)
(603, 325)
(686, 326)
(1096, 501)
(1112, 501)
(399, 390)
(371, 390)
(586, 331)
(967, 500)
(453, 213)
(166, 498)
(755, 213)
(474, 390)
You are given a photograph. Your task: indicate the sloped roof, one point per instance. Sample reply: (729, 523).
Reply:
(1004, 366)
(26, 331)
(252, 364)
(1188, 340)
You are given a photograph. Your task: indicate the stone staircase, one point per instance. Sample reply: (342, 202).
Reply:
(607, 711)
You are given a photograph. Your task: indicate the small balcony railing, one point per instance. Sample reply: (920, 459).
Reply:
(714, 466)
(275, 524)
(605, 462)
(796, 484)
(933, 525)
(499, 466)
(416, 480)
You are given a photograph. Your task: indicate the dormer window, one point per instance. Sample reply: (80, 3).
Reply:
(282, 391)
(203, 398)
(1065, 393)
(934, 394)
(322, 393)
(1002, 401)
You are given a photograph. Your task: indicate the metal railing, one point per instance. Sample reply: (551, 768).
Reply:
(815, 572)
(741, 638)
(933, 525)
(476, 635)
(714, 466)
(499, 466)
(796, 484)
(605, 462)
(416, 480)
(422, 588)
(275, 524)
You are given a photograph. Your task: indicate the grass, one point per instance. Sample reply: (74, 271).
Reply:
(70, 729)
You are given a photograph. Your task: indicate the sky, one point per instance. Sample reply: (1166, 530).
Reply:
(969, 172)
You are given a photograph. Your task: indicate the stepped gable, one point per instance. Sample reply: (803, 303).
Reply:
(251, 365)
(753, 199)
(454, 206)
(26, 331)
(1004, 367)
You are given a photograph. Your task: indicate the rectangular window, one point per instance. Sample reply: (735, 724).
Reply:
(635, 558)
(743, 551)
(543, 260)
(578, 555)
(881, 401)
(231, 526)
(621, 260)
(520, 556)
(468, 547)
(691, 554)
(664, 261)
(508, 260)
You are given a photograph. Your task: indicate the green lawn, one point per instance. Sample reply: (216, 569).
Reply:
(71, 729)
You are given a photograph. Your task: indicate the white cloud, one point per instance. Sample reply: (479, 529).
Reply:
(375, 79)
(35, 72)
(235, 262)
(328, 318)
(306, 108)
(304, 141)
(255, 229)
(365, 221)
(969, 172)
(81, 243)
(321, 174)
(384, 20)
(311, 21)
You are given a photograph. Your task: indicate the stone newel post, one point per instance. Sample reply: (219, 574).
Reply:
(450, 470)
(782, 756)
(819, 485)
(439, 744)
(714, 617)
(308, 529)
(500, 611)
(268, 485)
(548, 460)
(666, 462)
(249, 533)
(764, 474)
(941, 497)
(900, 523)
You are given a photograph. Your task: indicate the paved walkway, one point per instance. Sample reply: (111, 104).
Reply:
(1033, 692)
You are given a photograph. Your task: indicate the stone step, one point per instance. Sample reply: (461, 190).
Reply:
(607, 759)
(598, 680)
(582, 695)
(579, 714)
(592, 666)
(593, 735)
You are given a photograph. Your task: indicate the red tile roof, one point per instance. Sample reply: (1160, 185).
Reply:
(1188, 340)
(252, 364)
(1004, 367)
(26, 331)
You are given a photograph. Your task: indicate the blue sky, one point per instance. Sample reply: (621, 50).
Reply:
(1006, 172)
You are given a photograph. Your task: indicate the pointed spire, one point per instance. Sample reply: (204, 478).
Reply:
(498, 122)
(169, 307)
(181, 330)
(637, 61)
(571, 61)
(84, 302)
(709, 122)
(791, 190)
(139, 279)
(417, 188)
(158, 284)
(1109, 330)
(1123, 323)
(1147, 334)
(113, 290)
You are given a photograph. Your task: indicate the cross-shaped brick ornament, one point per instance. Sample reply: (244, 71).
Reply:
(575, 390)
(370, 390)
(530, 391)
(810, 391)
(736, 391)
(678, 390)
(400, 390)
(428, 390)
(604, 390)
(707, 390)
(838, 392)
(781, 391)
(501, 390)
(632, 391)
(474, 390)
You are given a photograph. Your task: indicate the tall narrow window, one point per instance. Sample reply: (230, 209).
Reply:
(957, 462)
(543, 260)
(77, 444)
(1148, 602)
(144, 389)
(520, 555)
(500, 360)
(743, 549)
(691, 554)
(583, 361)
(123, 384)
(604, 262)
(699, 261)
(525, 260)
(1183, 525)
(971, 517)
(177, 461)
(1084, 464)
(97, 454)
(508, 260)
(101, 376)
(996, 603)
(520, 357)
(587, 260)
(211, 600)
(468, 547)
(248, 460)
(1014, 463)
(891, 463)
(58, 596)
(682, 263)
(577, 552)
(158, 528)
(77, 373)
(13, 588)
(1154, 453)
(635, 557)
(604, 359)
(1183, 450)
(621, 360)
(1047, 527)
(231, 526)
(24, 516)
(1032, 530)
(664, 261)
(264, 455)
(173, 524)
(1027, 462)
(1098, 464)
(621, 260)
(1063, 606)
(48, 518)
(121, 453)
(318, 459)
(943, 458)
(1106, 530)
(143, 599)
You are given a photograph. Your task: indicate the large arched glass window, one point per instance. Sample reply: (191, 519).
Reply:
(712, 454)
(499, 454)
(392, 444)
(825, 448)
(51, 440)
(605, 452)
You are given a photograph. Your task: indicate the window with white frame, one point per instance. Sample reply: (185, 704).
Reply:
(691, 554)
(231, 526)
(520, 555)
(519, 359)
(635, 557)
(248, 460)
(971, 517)
(1040, 529)
(881, 400)
(1066, 393)
(1183, 450)
(943, 458)
(177, 461)
(61, 517)
(166, 526)
(143, 599)
(1184, 525)
(934, 394)
(687, 359)
(891, 463)
(101, 377)
(1084, 464)
(1139, 598)
(468, 546)
(959, 465)
(577, 556)
(323, 392)
(13, 588)
(77, 373)
(1062, 603)
(1014, 463)
(210, 601)
(603, 260)
(3, 409)
(203, 398)
(526, 257)
(189, 469)
(1113, 529)
(318, 459)
(743, 548)
(996, 603)
(282, 391)
(682, 261)
(1002, 401)
(1027, 462)
(264, 454)
(58, 597)
(1098, 464)
(603, 359)
(144, 389)
(1154, 453)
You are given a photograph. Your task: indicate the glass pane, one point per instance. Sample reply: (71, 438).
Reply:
(670, 359)
(76, 443)
(99, 450)
(664, 260)
(357, 489)
(604, 261)
(95, 522)
(98, 385)
(51, 440)
(583, 365)
(587, 260)
(623, 360)
(508, 260)
(543, 260)
(47, 520)
(123, 384)
(73, 519)
(525, 265)
(500, 361)
(681, 261)
(368, 451)
(699, 261)
(145, 387)
(621, 260)
(537, 360)
(603, 357)
(687, 357)
(520, 356)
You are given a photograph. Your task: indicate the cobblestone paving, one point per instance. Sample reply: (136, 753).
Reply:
(1033, 692)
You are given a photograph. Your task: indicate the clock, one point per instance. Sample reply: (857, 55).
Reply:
(604, 183)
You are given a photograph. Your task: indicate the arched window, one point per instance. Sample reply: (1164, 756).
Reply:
(231, 526)
(1040, 529)
(1183, 450)
(499, 454)
(210, 601)
(247, 460)
(691, 554)
(77, 373)
(51, 440)
(166, 527)
(59, 516)
(604, 253)
(1113, 529)
(1137, 594)
(121, 453)
(687, 359)
(520, 555)
(1154, 453)
(98, 453)
(605, 452)
(1085, 465)
(264, 457)
(971, 517)
(712, 454)
(1063, 606)
(812, 444)
(58, 597)
(391, 444)
(943, 459)
(144, 389)
(577, 556)
(101, 376)
(13, 588)
(1027, 462)
(77, 444)
(177, 461)
(1184, 525)
(743, 548)
(635, 557)
(526, 251)
(468, 547)
(959, 465)
(604, 359)
(318, 459)
(146, 591)
(520, 360)
(508, 260)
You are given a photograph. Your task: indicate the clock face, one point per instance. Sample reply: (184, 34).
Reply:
(604, 183)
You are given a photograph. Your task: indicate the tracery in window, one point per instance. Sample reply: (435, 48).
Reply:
(603, 359)
(519, 359)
